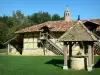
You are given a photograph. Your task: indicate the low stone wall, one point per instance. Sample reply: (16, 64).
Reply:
(13, 51)
(32, 52)
(38, 52)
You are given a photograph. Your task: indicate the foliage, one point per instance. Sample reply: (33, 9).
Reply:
(18, 18)
(3, 32)
(40, 17)
(56, 17)
(10, 24)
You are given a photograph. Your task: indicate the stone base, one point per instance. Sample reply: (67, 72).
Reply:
(65, 67)
(77, 63)
(92, 64)
(89, 68)
(38, 52)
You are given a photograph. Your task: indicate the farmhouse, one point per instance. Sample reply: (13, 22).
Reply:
(30, 40)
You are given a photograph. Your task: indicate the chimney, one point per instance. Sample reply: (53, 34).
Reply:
(78, 17)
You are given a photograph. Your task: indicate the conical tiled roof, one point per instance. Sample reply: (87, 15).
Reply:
(78, 32)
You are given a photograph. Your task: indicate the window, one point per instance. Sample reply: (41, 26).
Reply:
(68, 14)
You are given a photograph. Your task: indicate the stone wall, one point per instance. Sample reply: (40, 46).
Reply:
(13, 50)
(30, 45)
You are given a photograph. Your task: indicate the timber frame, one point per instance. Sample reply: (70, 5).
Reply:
(89, 56)
(79, 34)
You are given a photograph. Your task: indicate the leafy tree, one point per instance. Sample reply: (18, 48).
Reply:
(7, 20)
(56, 17)
(10, 24)
(18, 18)
(40, 17)
(3, 32)
(61, 18)
(11, 32)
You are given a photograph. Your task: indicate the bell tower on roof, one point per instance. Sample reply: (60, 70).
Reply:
(67, 14)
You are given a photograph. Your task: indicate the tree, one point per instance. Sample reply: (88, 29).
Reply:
(3, 32)
(40, 17)
(10, 24)
(62, 18)
(11, 32)
(6, 20)
(18, 18)
(56, 17)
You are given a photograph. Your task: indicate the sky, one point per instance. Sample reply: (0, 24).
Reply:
(87, 9)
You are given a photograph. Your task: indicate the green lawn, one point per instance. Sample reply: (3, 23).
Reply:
(39, 65)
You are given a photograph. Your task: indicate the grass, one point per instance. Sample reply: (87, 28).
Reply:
(39, 65)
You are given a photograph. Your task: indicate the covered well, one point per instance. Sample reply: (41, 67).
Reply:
(79, 34)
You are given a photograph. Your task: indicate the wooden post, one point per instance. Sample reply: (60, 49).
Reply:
(44, 50)
(89, 67)
(92, 56)
(65, 67)
(70, 52)
(8, 48)
(44, 47)
(40, 35)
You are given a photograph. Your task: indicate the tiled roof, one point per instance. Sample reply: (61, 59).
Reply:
(98, 29)
(96, 21)
(77, 33)
(56, 26)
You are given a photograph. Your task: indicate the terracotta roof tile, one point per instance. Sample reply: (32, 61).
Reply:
(96, 21)
(55, 26)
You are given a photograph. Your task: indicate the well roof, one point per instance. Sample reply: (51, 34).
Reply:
(78, 32)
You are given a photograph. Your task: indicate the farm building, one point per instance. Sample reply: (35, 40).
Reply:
(30, 40)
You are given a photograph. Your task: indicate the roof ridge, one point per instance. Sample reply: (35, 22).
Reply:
(59, 25)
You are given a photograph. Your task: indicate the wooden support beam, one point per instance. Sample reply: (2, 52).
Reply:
(8, 48)
(65, 67)
(92, 54)
(89, 67)
(44, 49)
(70, 50)
(43, 44)
(92, 57)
